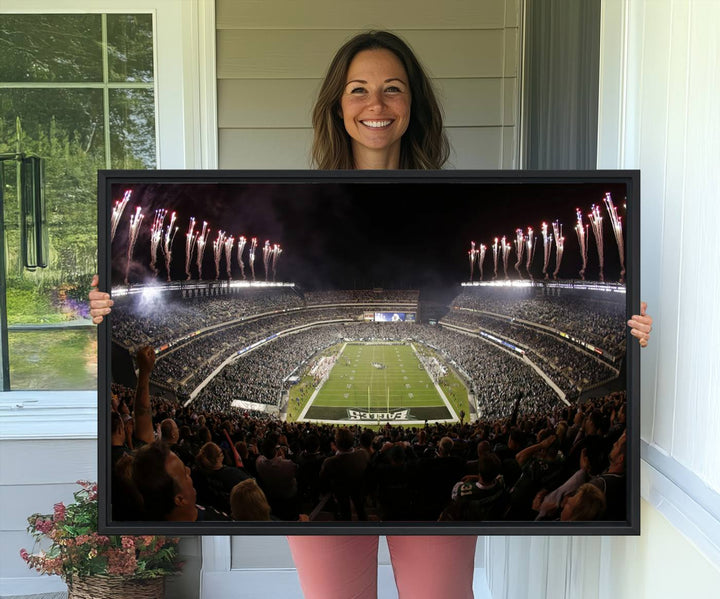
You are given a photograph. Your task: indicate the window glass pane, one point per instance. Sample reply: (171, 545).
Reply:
(132, 128)
(65, 128)
(52, 342)
(53, 359)
(130, 47)
(38, 48)
(51, 118)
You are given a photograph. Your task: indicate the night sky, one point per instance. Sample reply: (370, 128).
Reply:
(360, 235)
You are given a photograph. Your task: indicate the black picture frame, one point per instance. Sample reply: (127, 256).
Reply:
(474, 191)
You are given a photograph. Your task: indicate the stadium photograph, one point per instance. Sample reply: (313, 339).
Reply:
(369, 351)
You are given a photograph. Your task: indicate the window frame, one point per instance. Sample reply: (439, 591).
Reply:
(186, 137)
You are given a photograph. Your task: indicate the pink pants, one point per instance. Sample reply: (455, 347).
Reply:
(433, 567)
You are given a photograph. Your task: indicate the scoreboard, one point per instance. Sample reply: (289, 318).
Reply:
(389, 316)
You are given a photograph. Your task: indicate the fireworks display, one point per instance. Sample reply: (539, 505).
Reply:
(218, 247)
(596, 222)
(156, 233)
(547, 247)
(529, 250)
(506, 249)
(135, 222)
(472, 255)
(201, 244)
(251, 256)
(519, 249)
(117, 213)
(581, 231)
(229, 243)
(276, 251)
(617, 229)
(525, 245)
(267, 250)
(481, 258)
(241, 246)
(168, 241)
(559, 246)
(190, 241)
(495, 258)
(160, 237)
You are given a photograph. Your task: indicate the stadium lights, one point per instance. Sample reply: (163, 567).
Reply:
(123, 290)
(607, 287)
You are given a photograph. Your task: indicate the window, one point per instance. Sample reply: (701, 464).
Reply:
(77, 90)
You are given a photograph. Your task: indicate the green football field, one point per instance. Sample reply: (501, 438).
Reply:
(378, 382)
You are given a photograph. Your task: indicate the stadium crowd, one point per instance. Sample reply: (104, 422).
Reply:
(596, 317)
(137, 321)
(571, 368)
(364, 296)
(167, 459)
(239, 321)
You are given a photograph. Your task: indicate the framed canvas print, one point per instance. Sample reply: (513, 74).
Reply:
(359, 352)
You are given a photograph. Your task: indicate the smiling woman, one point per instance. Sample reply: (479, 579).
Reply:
(363, 109)
(375, 107)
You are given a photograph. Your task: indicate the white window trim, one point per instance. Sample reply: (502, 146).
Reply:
(185, 76)
(186, 125)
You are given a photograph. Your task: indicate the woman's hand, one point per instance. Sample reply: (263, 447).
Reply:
(100, 302)
(641, 325)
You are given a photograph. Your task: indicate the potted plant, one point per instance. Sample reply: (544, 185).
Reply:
(93, 565)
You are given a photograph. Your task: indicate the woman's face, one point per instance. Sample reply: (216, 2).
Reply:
(375, 103)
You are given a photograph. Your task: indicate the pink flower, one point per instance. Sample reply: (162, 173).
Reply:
(121, 562)
(59, 512)
(128, 543)
(44, 526)
(24, 555)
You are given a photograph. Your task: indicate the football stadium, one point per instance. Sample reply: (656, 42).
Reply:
(269, 359)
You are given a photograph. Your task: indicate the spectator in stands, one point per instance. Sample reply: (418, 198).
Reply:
(436, 477)
(612, 482)
(507, 453)
(541, 468)
(309, 463)
(587, 503)
(248, 502)
(166, 486)
(343, 475)
(118, 446)
(548, 504)
(484, 499)
(394, 477)
(187, 446)
(214, 480)
(277, 478)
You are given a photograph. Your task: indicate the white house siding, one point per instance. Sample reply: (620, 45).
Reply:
(271, 58)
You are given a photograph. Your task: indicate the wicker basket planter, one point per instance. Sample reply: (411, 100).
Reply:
(116, 587)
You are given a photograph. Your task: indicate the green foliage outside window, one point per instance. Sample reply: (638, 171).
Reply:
(76, 90)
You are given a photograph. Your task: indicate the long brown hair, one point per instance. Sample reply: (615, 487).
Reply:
(424, 144)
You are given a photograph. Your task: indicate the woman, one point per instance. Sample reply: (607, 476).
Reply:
(377, 110)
